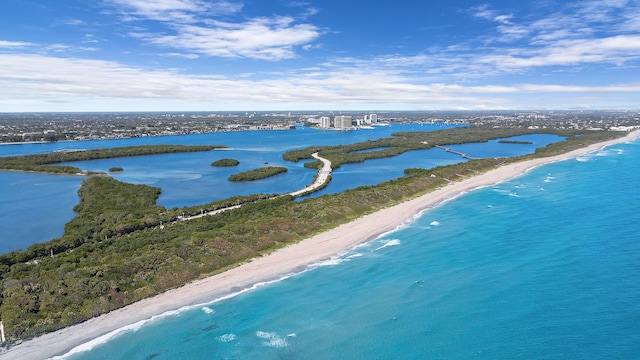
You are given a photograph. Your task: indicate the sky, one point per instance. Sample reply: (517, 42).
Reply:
(269, 55)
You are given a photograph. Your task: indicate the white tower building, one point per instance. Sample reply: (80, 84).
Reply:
(325, 122)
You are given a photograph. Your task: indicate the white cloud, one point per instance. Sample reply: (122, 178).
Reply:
(506, 27)
(50, 80)
(261, 38)
(174, 10)
(14, 44)
(58, 47)
(190, 27)
(73, 22)
(182, 55)
(470, 75)
(614, 50)
(596, 32)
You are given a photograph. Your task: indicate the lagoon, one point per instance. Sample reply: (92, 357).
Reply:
(189, 179)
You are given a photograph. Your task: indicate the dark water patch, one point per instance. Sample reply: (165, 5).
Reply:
(370, 150)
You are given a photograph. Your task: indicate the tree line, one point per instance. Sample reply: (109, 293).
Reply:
(44, 163)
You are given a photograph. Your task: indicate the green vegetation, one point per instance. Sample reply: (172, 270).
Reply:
(225, 162)
(259, 173)
(43, 162)
(515, 142)
(122, 247)
(406, 141)
(115, 169)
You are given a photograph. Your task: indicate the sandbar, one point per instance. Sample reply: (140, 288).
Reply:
(289, 260)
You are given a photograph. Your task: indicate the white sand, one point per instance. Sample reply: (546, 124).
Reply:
(288, 260)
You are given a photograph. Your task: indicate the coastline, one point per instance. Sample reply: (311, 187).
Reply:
(291, 259)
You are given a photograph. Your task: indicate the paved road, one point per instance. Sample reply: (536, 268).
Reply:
(323, 176)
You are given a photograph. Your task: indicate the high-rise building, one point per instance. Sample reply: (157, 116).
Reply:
(373, 118)
(325, 122)
(342, 122)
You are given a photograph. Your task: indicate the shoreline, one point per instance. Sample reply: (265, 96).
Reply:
(283, 262)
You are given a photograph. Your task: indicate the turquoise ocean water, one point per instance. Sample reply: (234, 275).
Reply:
(543, 266)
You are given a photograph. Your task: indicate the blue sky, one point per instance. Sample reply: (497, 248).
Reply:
(208, 55)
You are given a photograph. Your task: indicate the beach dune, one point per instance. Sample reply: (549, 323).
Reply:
(283, 262)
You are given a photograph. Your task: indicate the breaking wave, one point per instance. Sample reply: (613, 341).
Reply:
(272, 339)
(227, 338)
(394, 242)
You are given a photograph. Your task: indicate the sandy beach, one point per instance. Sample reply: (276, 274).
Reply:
(289, 260)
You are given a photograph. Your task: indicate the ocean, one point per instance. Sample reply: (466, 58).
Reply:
(543, 266)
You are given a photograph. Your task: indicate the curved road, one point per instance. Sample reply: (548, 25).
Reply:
(323, 176)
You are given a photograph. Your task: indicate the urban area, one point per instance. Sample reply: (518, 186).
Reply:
(38, 127)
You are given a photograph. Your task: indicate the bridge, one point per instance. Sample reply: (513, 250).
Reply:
(455, 152)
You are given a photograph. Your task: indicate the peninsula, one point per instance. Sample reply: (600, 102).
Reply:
(428, 189)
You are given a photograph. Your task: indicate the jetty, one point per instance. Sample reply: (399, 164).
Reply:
(455, 152)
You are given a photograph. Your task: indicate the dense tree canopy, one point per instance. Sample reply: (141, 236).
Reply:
(225, 162)
(44, 162)
(259, 173)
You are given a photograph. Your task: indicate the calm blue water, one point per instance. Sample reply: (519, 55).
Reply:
(544, 266)
(189, 179)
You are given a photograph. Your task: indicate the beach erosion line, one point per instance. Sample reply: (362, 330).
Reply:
(280, 264)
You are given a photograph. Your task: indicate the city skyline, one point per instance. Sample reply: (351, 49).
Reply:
(196, 55)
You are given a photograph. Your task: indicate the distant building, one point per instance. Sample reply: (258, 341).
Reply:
(342, 122)
(325, 122)
(32, 135)
(373, 118)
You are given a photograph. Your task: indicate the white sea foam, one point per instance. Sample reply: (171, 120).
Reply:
(393, 242)
(136, 326)
(412, 220)
(330, 262)
(610, 152)
(227, 338)
(434, 223)
(272, 339)
(208, 310)
(113, 334)
(337, 259)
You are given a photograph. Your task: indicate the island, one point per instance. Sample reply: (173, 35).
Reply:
(44, 163)
(257, 174)
(225, 162)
